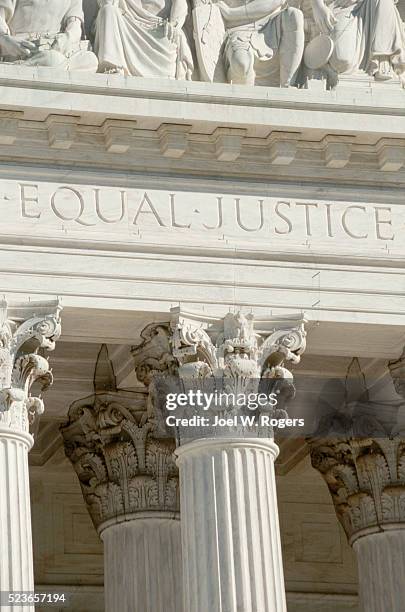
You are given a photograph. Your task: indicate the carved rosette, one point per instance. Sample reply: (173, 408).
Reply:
(234, 355)
(124, 469)
(366, 479)
(24, 331)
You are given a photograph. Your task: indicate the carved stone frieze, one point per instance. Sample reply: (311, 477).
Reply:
(246, 43)
(24, 331)
(238, 42)
(346, 39)
(49, 36)
(123, 468)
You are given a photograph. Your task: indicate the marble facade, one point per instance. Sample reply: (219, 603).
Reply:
(197, 188)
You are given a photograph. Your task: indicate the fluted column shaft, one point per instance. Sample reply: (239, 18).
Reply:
(16, 563)
(381, 562)
(24, 330)
(142, 565)
(230, 531)
(132, 494)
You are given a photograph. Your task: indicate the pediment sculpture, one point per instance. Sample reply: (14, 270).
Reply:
(42, 33)
(252, 42)
(258, 42)
(352, 36)
(143, 38)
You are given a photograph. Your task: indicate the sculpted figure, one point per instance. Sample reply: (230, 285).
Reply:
(364, 35)
(143, 38)
(43, 33)
(249, 42)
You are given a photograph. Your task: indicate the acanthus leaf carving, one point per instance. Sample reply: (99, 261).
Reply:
(366, 479)
(122, 465)
(359, 449)
(24, 331)
(235, 356)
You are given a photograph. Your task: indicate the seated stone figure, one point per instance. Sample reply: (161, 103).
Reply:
(43, 33)
(264, 42)
(367, 35)
(143, 38)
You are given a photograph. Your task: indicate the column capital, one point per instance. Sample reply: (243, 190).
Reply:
(366, 479)
(236, 355)
(125, 470)
(237, 344)
(24, 330)
(359, 449)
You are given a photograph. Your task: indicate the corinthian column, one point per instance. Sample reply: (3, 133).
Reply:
(24, 329)
(367, 481)
(130, 485)
(364, 468)
(231, 548)
(230, 530)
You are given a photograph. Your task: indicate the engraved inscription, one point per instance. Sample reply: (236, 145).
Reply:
(140, 212)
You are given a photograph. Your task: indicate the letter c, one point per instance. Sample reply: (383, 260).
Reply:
(345, 226)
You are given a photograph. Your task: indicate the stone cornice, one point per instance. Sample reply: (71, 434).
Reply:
(352, 98)
(110, 121)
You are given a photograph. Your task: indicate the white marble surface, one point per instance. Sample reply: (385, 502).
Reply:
(16, 563)
(142, 565)
(202, 141)
(230, 530)
(381, 560)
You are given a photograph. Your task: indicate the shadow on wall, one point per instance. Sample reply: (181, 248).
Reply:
(90, 8)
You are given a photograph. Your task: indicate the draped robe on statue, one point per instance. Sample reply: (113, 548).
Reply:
(41, 22)
(276, 43)
(366, 32)
(136, 40)
(36, 16)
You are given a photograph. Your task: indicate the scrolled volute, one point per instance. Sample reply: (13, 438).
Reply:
(24, 331)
